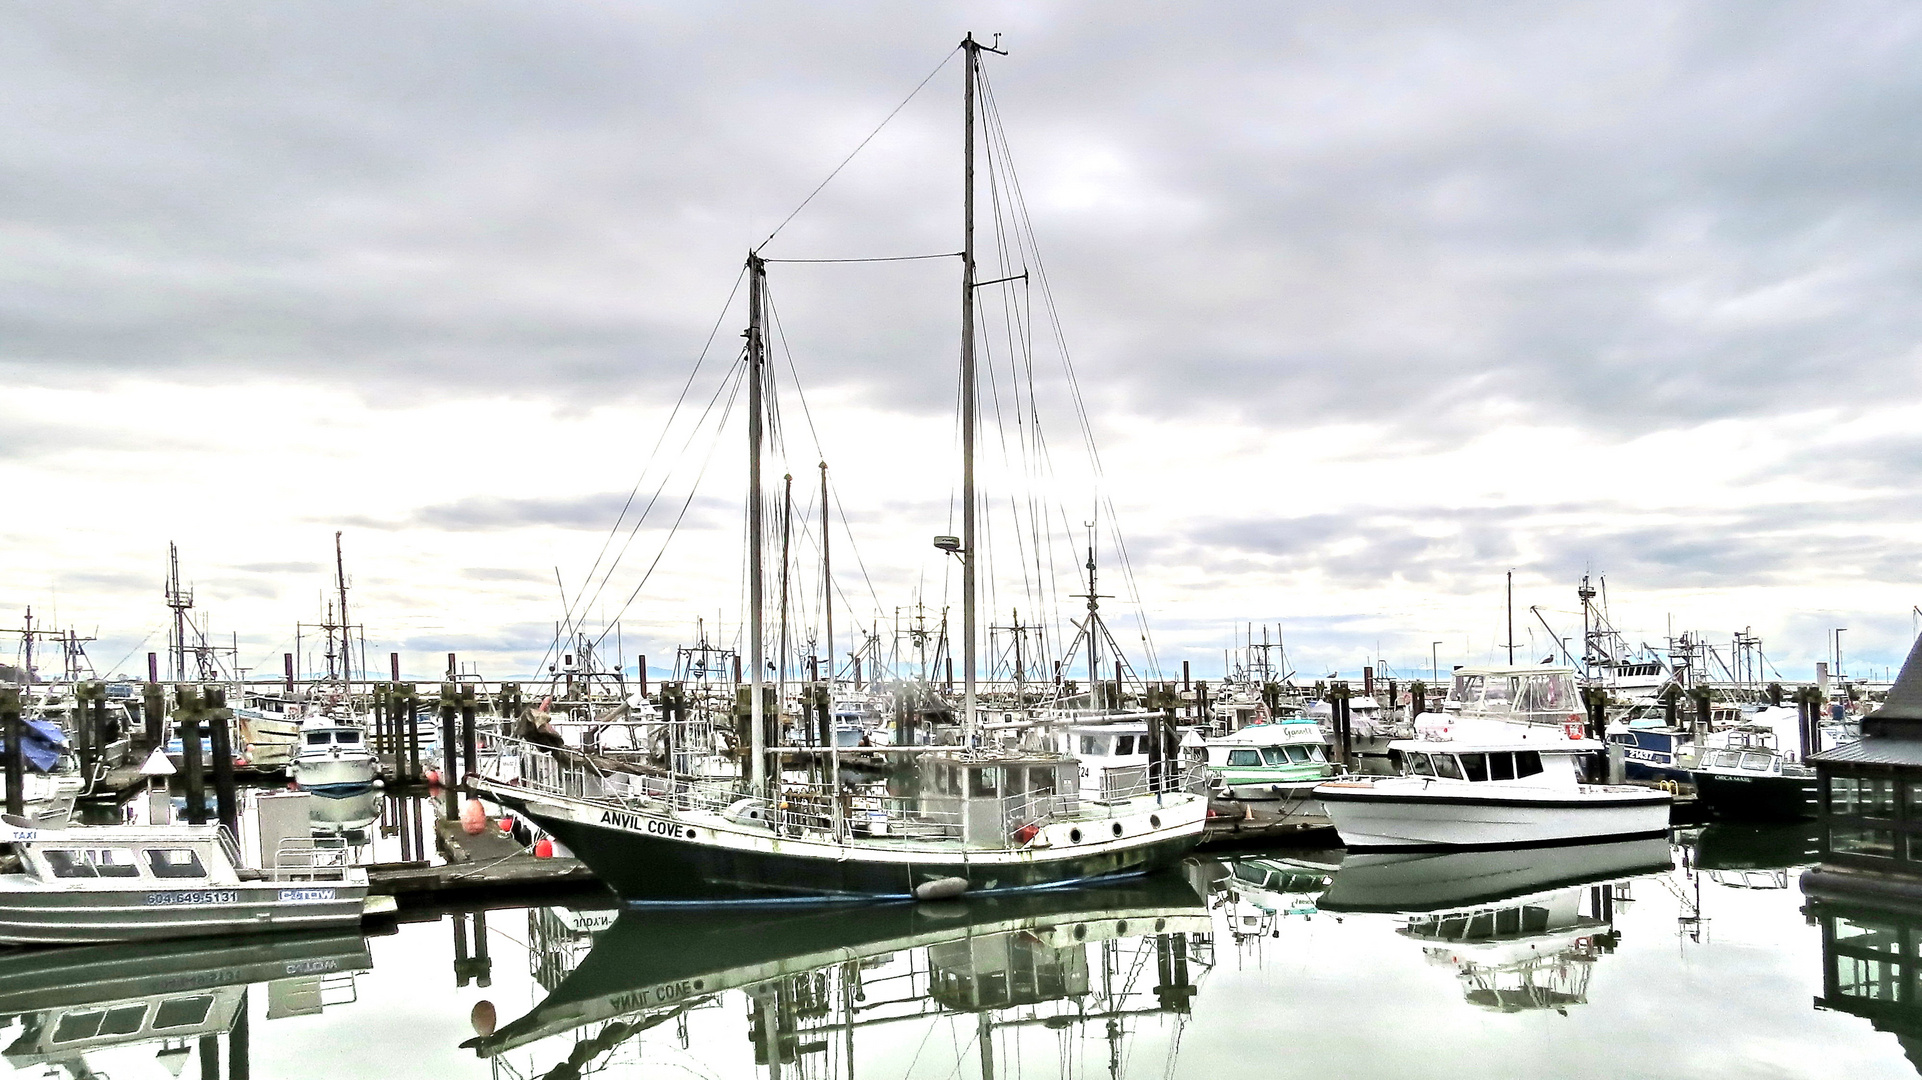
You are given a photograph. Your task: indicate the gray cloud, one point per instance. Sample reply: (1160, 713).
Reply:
(501, 573)
(1460, 550)
(1625, 219)
(281, 568)
(479, 513)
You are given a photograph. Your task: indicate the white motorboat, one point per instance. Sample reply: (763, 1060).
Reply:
(1508, 790)
(152, 882)
(332, 758)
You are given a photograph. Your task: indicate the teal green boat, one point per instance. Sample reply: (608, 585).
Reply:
(1263, 761)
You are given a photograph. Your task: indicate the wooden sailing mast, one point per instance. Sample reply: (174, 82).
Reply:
(756, 360)
(971, 61)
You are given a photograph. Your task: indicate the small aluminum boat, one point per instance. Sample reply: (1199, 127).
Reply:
(153, 882)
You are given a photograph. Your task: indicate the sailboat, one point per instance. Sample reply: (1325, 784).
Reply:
(979, 817)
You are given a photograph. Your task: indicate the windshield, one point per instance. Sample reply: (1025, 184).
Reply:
(1549, 692)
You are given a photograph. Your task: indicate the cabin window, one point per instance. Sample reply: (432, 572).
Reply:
(347, 738)
(1466, 688)
(1446, 765)
(175, 863)
(1851, 840)
(1418, 765)
(1861, 796)
(317, 738)
(1125, 745)
(1475, 766)
(93, 1023)
(1244, 758)
(1757, 762)
(1501, 766)
(1091, 745)
(984, 783)
(182, 1012)
(1314, 753)
(1528, 762)
(1274, 755)
(93, 862)
(1498, 693)
(76, 1026)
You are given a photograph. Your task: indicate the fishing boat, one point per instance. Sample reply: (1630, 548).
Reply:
(151, 882)
(333, 759)
(1499, 790)
(1752, 781)
(1263, 762)
(978, 816)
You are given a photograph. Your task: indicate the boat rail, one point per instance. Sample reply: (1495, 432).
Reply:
(302, 858)
(803, 808)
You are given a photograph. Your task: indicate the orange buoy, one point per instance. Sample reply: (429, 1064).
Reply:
(543, 848)
(483, 1018)
(473, 817)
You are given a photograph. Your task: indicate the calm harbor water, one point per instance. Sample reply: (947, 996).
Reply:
(1689, 958)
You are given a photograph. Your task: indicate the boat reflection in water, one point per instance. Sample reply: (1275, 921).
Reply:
(76, 1001)
(1257, 894)
(349, 816)
(1522, 927)
(1745, 856)
(811, 980)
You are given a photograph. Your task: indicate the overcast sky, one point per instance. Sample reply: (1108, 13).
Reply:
(1369, 304)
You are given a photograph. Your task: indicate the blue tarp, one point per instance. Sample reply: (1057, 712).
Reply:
(42, 745)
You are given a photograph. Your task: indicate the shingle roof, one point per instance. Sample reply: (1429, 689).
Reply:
(1874, 750)
(1905, 697)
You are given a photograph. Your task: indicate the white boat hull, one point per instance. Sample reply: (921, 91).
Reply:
(1369, 817)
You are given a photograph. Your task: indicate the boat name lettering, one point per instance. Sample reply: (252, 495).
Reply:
(310, 967)
(653, 995)
(212, 896)
(640, 823)
(297, 895)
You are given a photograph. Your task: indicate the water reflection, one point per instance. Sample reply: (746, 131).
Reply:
(1869, 967)
(814, 981)
(1522, 928)
(177, 996)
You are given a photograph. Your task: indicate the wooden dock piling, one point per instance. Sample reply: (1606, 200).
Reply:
(220, 732)
(15, 754)
(187, 723)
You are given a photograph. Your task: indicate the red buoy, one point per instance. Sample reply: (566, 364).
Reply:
(473, 817)
(543, 848)
(507, 824)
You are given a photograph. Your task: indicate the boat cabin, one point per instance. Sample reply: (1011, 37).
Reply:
(62, 1035)
(1286, 751)
(118, 857)
(990, 798)
(316, 740)
(1530, 763)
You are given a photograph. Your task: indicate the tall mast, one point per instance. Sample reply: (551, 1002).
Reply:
(787, 524)
(756, 357)
(346, 652)
(1511, 617)
(827, 581)
(970, 58)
